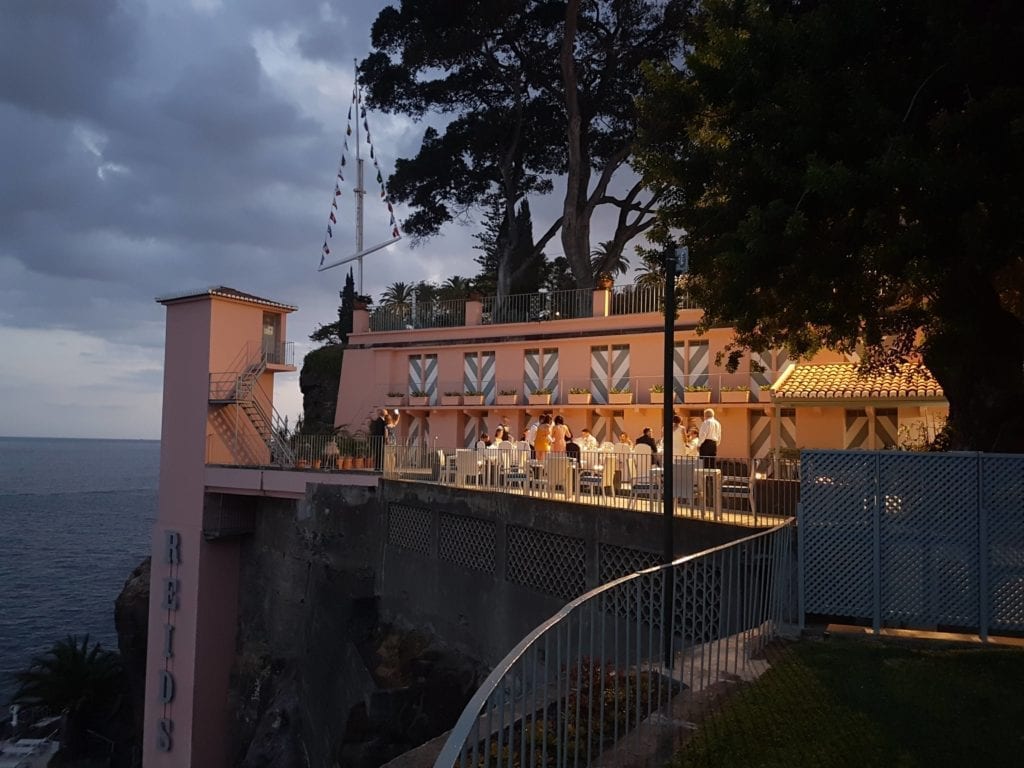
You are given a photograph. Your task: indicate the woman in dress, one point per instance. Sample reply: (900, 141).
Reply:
(391, 440)
(559, 434)
(542, 443)
(625, 439)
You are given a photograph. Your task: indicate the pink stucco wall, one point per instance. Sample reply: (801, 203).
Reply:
(204, 334)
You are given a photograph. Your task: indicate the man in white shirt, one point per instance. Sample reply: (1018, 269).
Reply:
(586, 441)
(709, 436)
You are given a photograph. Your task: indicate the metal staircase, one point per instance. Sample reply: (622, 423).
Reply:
(240, 389)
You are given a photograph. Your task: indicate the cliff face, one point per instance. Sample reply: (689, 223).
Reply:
(319, 677)
(131, 620)
(318, 380)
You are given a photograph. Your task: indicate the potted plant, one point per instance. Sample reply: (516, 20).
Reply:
(604, 281)
(620, 395)
(738, 394)
(418, 398)
(579, 396)
(508, 396)
(394, 399)
(658, 394)
(697, 394)
(540, 396)
(451, 398)
(473, 397)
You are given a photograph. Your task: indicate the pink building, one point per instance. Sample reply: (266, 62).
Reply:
(597, 355)
(593, 356)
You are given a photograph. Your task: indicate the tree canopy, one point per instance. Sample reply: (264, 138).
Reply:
(534, 89)
(847, 174)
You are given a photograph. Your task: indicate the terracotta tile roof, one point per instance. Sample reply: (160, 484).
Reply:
(226, 292)
(841, 381)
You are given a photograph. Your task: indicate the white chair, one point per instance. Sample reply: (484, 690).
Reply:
(597, 472)
(645, 481)
(445, 468)
(467, 467)
(684, 480)
(515, 473)
(558, 473)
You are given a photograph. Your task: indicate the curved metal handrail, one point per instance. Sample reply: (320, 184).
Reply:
(459, 738)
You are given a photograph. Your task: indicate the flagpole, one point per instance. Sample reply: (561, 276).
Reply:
(359, 191)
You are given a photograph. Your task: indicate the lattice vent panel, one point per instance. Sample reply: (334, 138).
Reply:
(547, 562)
(1002, 498)
(409, 528)
(698, 601)
(928, 545)
(467, 541)
(615, 562)
(837, 492)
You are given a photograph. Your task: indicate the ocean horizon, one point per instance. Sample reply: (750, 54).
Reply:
(76, 515)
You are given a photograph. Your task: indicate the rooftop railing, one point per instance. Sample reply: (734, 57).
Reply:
(429, 314)
(536, 307)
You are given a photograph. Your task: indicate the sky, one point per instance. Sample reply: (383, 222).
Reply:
(151, 147)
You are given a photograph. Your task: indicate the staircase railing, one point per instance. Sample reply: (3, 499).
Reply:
(240, 389)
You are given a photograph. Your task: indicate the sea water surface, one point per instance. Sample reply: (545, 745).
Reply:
(75, 519)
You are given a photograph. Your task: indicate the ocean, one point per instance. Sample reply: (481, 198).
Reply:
(75, 519)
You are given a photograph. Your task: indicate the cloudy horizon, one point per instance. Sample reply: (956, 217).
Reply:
(153, 148)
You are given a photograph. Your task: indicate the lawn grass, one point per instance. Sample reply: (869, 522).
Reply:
(868, 702)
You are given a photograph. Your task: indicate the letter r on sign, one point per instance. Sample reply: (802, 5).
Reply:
(172, 547)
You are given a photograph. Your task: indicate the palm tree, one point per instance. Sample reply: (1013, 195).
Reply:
(397, 294)
(456, 287)
(609, 257)
(72, 679)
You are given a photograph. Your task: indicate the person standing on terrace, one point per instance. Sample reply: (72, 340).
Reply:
(709, 435)
(559, 434)
(542, 440)
(647, 439)
(377, 429)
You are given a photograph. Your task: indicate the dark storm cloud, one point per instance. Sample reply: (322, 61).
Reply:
(55, 54)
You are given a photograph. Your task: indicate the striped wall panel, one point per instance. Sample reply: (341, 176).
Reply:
(698, 362)
(761, 379)
(418, 431)
(787, 428)
(616, 426)
(679, 369)
(472, 430)
(550, 369)
(415, 373)
(855, 429)
(531, 370)
(599, 428)
(619, 368)
(488, 385)
(760, 434)
(470, 371)
(430, 377)
(599, 375)
(886, 428)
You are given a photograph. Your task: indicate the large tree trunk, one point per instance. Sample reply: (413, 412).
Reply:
(976, 351)
(575, 209)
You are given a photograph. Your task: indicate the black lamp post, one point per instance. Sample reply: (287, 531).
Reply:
(668, 495)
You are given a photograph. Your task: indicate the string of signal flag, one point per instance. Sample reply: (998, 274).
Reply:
(340, 179)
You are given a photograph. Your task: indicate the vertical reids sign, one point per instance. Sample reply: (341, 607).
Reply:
(169, 602)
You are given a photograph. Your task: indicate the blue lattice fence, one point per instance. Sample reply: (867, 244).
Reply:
(918, 540)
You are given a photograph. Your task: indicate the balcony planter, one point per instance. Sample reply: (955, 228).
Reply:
(419, 401)
(620, 398)
(508, 399)
(735, 396)
(451, 399)
(543, 399)
(699, 396)
(658, 398)
(393, 401)
(472, 399)
(580, 398)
